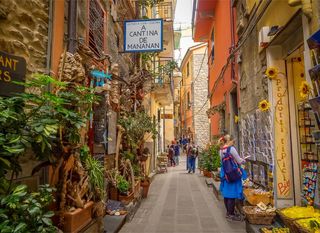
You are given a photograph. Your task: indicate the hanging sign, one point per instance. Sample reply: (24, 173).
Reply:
(283, 161)
(143, 35)
(12, 68)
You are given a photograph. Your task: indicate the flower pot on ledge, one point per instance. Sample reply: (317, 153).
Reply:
(207, 174)
(78, 219)
(126, 199)
(145, 185)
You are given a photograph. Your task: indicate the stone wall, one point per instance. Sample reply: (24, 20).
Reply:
(255, 127)
(24, 31)
(200, 95)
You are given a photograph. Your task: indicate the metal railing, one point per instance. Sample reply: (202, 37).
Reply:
(162, 10)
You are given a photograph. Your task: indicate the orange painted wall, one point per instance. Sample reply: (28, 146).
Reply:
(58, 34)
(222, 44)
(57, 50)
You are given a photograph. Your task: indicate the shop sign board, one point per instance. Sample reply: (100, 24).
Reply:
(12, 68)
(282, 141)
(143, 35)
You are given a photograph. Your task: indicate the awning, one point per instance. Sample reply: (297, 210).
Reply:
(203, 15)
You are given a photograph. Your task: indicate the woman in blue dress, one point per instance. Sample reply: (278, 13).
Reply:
(231, 190)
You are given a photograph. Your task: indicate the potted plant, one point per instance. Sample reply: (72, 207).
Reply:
(145, 184)
(125, 195)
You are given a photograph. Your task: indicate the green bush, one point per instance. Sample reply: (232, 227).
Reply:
(25, 212)
(210, 159)
(122, 184)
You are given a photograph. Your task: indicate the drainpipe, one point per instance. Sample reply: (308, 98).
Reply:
(72, 26)
(164, 129)
(49, 45)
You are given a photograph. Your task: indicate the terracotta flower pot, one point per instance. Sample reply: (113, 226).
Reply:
(126, 199)
(78, 219)
(113, 193)
(207, 174)
(145, 185)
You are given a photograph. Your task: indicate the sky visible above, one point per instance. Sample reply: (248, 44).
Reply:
(182, 21)
(183, 14)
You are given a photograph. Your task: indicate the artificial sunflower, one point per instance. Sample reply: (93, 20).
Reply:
(272, 72)
(236, 119)
(264, 105)
(304, 89)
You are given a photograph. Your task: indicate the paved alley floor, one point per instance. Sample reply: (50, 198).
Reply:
(179, 202)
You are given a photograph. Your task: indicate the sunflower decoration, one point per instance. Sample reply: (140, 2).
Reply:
(304, 89)
(272, 72)
(236, 119)
(264, 105)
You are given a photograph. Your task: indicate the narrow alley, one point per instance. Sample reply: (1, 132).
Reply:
(181, 202)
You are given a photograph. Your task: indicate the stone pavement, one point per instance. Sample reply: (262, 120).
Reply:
(179, 202)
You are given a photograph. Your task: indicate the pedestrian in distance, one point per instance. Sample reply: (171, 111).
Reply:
(192, 156)
(171, 155)
(176, 153)
(231, 174)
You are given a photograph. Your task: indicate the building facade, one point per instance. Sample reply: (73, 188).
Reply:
(283, 149)
(193, 95)
(209, 27)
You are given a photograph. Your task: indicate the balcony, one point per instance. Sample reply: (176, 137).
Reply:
(162, 10)
(203, 15)
(163, 86)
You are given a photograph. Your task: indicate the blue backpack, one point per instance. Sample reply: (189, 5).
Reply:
(232, 171)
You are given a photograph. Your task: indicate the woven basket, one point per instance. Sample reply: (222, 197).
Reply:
(254, 198)
(300, 229)
(258, 218)
(290, 222)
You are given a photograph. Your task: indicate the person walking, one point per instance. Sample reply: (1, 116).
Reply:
(231, 185)
(171, 155)
(176, 153)
(192, 155)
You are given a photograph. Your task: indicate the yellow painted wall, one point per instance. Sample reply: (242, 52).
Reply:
(277, 13)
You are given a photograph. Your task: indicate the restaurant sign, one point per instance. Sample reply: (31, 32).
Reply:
(143, 35)
(12, 68)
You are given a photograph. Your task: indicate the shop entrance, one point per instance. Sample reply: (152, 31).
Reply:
(303, 124)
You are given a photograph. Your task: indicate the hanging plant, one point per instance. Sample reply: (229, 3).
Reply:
(271, 72)
(264, 105)
(304, 89)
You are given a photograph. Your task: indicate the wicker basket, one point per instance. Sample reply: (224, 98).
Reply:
(290, 222)
(254, 198)
(258, 218)
(300, 229)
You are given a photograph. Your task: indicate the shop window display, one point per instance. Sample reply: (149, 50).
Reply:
(310, 189)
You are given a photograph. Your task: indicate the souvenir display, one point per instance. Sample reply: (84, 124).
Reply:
(309, 183)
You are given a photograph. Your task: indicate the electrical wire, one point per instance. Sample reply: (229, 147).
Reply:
(248, 30)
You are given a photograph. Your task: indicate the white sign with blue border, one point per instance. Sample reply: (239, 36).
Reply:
(143, 35)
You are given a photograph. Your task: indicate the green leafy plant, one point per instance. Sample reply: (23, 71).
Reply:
(136, 170)
(95, 172)
(22, 212)
(122, 184)
(210, 159)
(136, 126)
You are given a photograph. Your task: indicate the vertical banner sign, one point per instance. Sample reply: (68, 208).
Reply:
(12, 68)
(282, 139)
(143, 35)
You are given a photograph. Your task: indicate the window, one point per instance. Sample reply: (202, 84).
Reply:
(212, 46)
(188, 99)
(188, 71)
(96, 28)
